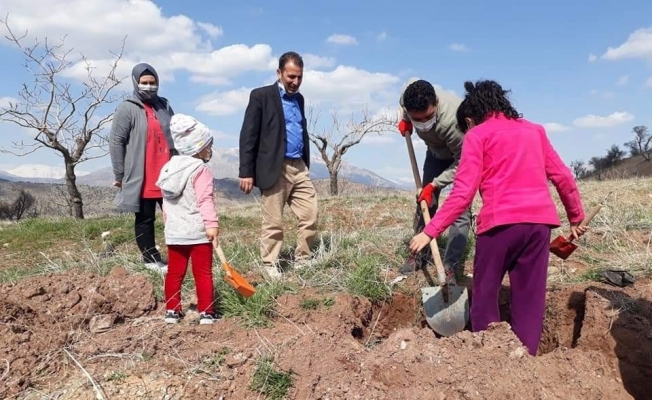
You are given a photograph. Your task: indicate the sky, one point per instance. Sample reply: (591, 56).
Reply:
(584, 69)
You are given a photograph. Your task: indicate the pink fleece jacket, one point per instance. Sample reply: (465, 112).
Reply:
(510, 162)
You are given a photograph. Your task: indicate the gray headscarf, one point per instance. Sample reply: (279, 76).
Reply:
(144, 96)
(161, 106)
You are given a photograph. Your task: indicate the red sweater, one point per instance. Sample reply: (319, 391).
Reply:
(157, 154)
(510, 162)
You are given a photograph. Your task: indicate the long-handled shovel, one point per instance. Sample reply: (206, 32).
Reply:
(446, 307)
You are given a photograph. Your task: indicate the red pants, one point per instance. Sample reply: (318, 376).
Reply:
(201, 256)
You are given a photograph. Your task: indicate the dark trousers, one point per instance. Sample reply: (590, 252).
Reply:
(144, 229)
(522, 251)
(458, 233)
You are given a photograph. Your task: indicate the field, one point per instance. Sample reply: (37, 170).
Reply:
(82, 319)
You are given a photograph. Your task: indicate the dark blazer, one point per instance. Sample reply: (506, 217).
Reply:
(263, 137)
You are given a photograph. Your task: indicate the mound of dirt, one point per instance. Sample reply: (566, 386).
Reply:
(43, 315)
(336, 347)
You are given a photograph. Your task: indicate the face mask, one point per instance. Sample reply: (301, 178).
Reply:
(147, 91)
(425, 126)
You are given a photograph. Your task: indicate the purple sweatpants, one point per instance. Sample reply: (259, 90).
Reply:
(522, 250)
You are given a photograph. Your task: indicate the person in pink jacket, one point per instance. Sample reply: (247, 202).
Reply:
(191, 222)
(510, 161)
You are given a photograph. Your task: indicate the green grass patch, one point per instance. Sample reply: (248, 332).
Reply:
(269, 381)
(365, 280)
(239, 222)
(254, 312)
(314, 304)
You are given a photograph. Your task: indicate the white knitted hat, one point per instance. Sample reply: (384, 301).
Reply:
(189, 135)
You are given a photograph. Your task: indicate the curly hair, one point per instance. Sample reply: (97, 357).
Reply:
(484, 99)
(419, 95)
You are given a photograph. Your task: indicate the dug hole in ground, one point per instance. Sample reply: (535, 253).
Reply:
(597, 344)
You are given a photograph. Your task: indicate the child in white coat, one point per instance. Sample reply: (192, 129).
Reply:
(191, 222)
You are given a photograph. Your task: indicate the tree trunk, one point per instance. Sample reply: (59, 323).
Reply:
(334, 186)
(74, 197)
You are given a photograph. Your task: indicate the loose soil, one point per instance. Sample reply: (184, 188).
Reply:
(55, 329)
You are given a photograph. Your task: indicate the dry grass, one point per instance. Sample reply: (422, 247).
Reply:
(363, 232)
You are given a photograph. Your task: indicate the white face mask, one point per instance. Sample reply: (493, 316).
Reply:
(148, 88)
(425, 126)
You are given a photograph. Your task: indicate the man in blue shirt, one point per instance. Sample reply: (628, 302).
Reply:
(275, 157)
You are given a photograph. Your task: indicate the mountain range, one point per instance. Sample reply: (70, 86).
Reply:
(224, 164)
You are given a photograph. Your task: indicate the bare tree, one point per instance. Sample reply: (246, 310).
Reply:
(334, 141)
(23, 204)
(641, 145)
(64, 117)
(578, 168)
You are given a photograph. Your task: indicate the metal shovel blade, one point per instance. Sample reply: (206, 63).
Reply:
(446, 318)
(562, 247)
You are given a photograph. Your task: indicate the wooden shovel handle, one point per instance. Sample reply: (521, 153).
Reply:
(586, 220)
(413, 161)
(441, 273)
(220, 254)
(592, 214)
(434, 248)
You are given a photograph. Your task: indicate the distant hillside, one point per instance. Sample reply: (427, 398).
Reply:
(627, 168)
(224, 164)
(98, 200)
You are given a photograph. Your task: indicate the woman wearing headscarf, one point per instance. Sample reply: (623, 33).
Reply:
(140, 144)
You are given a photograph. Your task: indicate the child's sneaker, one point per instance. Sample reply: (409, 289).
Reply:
(173, 317)
(208, 318)
(158, 266)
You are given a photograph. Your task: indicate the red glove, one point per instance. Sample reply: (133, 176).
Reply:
(426, 194)
(404, 126)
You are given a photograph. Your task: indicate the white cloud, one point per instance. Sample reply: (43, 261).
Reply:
(224, 103)
(5, 101)
(344, 40)
(386, 138)
(348, 86)
(648, 83)
(459, 47)
(210, 29)
(592, 57)
(554, 127)
(381, 36)
(178, 43)
(622, 81)
(596, 121)
(92, 27)
(220, 135)
(168, 43)
(345, 88)
(389, 113)
(312, 61)
(638, 45)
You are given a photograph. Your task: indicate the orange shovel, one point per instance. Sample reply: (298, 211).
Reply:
(233, 277)
(562, 247)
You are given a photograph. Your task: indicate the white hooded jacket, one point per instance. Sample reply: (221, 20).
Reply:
(183, 222)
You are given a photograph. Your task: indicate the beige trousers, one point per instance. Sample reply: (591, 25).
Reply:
(295, 189)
